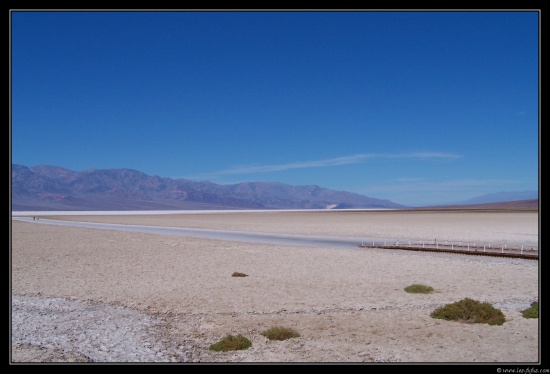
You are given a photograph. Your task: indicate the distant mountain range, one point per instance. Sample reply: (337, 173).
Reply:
(518, 205)
(55, 188)
(503, 196)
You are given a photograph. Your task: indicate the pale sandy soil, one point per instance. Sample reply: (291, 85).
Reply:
(81, 295)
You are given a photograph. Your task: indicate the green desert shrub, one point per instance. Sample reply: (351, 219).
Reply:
(237, 274)
(280, 333)
(533, 311)
(231, 343)
(419, 288)
(470, 311)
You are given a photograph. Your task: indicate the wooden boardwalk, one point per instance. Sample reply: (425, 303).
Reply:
(529, 253)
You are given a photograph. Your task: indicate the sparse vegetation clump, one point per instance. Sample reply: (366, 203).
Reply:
(419, 288)
(280, 333)
(470, 311)
(231, 343)
(237, 274)
(532, 311)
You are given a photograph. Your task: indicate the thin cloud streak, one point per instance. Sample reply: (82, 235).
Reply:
(337, 161)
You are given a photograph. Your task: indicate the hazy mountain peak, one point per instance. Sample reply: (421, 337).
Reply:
(503, 196)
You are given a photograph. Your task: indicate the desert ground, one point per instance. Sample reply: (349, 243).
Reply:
(86, 296)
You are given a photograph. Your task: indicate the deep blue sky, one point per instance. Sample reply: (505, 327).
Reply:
(416, 107)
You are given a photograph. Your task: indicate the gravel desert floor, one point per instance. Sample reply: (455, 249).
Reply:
(82, 295)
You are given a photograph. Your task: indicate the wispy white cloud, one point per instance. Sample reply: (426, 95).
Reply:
(409, 180)
(337, 161)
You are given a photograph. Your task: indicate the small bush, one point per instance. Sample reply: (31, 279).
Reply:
(280, 333)
(470, 311)
(533, 311)
(237, 274)
(231, 343)
(419, 288)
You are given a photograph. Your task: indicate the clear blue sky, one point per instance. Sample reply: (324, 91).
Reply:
(416, 107)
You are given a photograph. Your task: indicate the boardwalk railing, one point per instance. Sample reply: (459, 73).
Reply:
(514, 250)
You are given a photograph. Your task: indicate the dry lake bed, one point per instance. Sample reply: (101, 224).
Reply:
(101, 295)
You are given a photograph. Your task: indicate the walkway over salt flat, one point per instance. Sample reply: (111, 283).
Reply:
(500, 250)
